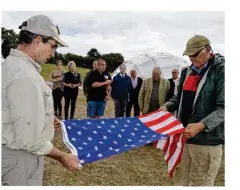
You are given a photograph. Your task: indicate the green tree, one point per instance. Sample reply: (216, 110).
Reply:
(10, 40)
(94, 53)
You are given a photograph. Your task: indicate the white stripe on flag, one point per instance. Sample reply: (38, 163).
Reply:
(168, 148)
(176, 154)
(180, 126)
(163, 124)
(153, 116)
(161, 143)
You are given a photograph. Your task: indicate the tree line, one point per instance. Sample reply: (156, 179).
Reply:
(113, 60)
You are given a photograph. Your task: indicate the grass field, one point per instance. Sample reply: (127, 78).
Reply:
(139, 167)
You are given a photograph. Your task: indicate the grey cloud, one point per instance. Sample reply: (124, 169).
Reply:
(129, 32)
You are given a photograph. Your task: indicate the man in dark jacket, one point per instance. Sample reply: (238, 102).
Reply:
(200, 104)
(85, 86)
(174, 82)
(136, 83)
(120, 91)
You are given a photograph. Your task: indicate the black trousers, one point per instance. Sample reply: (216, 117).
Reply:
(57, 101)
(136, 108)
(70, 98)
(120, 107)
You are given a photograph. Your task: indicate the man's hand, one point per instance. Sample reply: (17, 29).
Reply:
(192, 129)
(163, 108)
(70, 162)
(107, 82)
(57, 122)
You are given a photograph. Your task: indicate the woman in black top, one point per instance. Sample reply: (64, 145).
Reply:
(71, 82)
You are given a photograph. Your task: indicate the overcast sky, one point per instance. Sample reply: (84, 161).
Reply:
(129, 33)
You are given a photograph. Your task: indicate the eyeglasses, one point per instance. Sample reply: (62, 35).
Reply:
(196, 54)
(54, 46)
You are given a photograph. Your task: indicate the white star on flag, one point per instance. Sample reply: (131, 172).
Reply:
(88, 155)
(125, 145)
(110, 148)
(74, 124)
(117, 150)
(133, 134)
(95, 132)
(112, 126)
(145, 131)
(79, 132)
(69, 127)
(109, 131)
(125, 126)
(80, 148)
(138, 124)
(73, 139)
(143, 136)
(119, 135)
(129, 140)
(122, 130)
(105, 137)
(82, 161)
(102, 122)
(88, 122)
(90, 138)
(115, 142)
(96, 148)
(128, 121)
(135, 129)
(133, 145)
(100, 142)
(115, 121)
(100, 155)
(85, 143)
(99, 127)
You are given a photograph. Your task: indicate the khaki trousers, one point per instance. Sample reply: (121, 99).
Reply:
(21, 168)
(199, 165)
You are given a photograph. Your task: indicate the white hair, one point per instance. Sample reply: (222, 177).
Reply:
(156, 69)
(71, 63)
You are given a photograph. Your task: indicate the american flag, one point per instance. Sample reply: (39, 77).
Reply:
(95, 139)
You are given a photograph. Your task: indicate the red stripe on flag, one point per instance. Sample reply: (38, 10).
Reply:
(176, 131)
(157, 121)
(169, 126)
(166, 145)
(170, 173)
(172, 147)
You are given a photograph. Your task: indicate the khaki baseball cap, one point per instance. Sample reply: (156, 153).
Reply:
(43, 26)
(195, 44)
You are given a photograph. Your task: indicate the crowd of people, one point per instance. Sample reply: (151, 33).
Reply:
(29, 105)
(126, 90)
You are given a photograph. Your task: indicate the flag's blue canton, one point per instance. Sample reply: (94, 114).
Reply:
(95, 139)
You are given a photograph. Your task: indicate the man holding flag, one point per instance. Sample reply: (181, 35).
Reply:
(200, 105)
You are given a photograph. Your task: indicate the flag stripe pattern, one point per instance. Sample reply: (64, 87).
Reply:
(94, 139)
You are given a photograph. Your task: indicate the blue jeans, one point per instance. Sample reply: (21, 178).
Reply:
(95, 108)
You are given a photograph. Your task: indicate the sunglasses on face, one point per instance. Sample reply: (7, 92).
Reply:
(196, 54)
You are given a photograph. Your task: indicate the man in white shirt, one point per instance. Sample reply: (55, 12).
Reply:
(174, 82)
(27, 106)
(133, 94)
